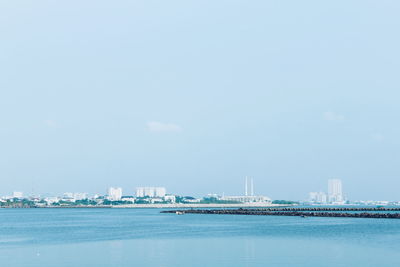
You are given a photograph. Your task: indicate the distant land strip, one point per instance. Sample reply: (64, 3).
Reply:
(287, 213)
(158, 206)
(203, 205)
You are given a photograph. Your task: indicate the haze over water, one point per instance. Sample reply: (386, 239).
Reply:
(144, 237)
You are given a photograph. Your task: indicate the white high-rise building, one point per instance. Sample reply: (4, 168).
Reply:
(115, 193)
(150, 191)
(335, 192)
(160, 191)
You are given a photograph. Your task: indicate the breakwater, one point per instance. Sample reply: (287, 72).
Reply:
(333, 209)
(287, 213)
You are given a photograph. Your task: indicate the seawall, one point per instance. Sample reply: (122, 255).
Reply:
(287, 213)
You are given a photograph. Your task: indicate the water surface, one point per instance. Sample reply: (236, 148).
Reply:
(145, 237)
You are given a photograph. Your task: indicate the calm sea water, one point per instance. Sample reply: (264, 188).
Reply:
(144, 237)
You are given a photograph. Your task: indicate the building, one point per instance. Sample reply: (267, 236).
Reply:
(151, 192)
(128, 198)
(114, 194)
(189, 199)
(17, 194)
(156, 200)
(74, 196)
(248, 199)
(318, 197)
(51, 200)
(334, 196)
(68, 195)
(170, 198)
(335, 193)
(80, 196)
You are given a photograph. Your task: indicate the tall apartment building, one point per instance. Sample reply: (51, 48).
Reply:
(335, 192)
(115, 193)
(150, 191)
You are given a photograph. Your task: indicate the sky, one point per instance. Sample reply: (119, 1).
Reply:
(196, 95)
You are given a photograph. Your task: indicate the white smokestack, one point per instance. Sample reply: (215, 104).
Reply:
(252, 187)
(245, 187)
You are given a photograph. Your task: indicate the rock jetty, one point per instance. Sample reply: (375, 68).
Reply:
(266, 212)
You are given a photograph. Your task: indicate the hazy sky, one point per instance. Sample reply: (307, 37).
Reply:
(195, 95)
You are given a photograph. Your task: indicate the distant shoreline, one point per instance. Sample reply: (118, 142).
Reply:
(161, 206)
(197, 205)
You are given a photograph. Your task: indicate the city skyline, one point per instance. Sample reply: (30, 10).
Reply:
(321, 196)
(334, 189)
(248, 190)
(333, 195)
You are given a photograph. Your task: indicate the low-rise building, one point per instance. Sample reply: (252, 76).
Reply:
(188, 199)
(51, 200)
(247, 199)
(128, 198)
(80, 196)
(170, 198)
(17, 194)
(156, 200)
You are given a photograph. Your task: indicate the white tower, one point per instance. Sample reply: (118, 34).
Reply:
(335, 193)
(245, 187)
(252, 187)
(114, 193)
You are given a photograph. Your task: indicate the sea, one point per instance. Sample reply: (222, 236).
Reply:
(145, 237)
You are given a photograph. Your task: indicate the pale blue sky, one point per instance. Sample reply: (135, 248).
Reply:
(195, 95)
